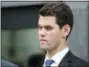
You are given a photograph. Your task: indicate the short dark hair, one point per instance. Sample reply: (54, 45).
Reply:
(61, 11)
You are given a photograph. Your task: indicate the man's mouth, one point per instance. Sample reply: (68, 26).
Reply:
(42, 39)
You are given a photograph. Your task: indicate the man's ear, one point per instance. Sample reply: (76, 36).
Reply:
(66, 30)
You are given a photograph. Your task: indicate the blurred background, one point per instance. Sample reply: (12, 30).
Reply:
(19, 35)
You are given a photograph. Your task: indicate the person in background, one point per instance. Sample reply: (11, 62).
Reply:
(54, 27)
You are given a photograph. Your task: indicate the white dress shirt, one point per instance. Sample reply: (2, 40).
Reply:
(57, 57)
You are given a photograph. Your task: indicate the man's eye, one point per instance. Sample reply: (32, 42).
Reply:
(48, 28)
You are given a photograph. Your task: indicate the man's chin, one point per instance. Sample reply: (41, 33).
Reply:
(43, 47)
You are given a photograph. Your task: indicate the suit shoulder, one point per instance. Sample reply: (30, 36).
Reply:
(80, 62)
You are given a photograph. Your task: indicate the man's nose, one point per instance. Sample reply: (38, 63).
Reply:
(42, 32)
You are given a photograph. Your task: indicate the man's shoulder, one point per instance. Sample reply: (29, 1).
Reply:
(5, 63)
(80, 62)
(76, 61)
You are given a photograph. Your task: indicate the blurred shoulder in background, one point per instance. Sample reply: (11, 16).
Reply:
(7, 63)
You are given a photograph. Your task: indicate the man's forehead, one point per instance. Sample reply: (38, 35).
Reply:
(46, 20)
(46, 17)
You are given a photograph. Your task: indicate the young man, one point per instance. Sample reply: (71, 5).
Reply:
(54, 26)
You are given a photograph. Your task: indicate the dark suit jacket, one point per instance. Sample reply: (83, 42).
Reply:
(68, 61)
(5, 63)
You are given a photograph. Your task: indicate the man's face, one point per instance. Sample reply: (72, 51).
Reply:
(50, 34)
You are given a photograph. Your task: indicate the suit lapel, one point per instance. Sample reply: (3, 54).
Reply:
(66, 60)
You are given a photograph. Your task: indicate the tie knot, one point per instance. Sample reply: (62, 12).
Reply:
(48, 62)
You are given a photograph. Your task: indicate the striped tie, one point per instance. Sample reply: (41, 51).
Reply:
(48, 63)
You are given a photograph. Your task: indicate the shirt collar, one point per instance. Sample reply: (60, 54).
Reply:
(59, 56)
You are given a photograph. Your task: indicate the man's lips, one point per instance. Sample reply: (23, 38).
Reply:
(43, 40)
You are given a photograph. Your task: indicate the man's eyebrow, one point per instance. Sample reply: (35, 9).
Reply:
(45, 25)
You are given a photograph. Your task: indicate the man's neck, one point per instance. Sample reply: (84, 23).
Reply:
(51, 53)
